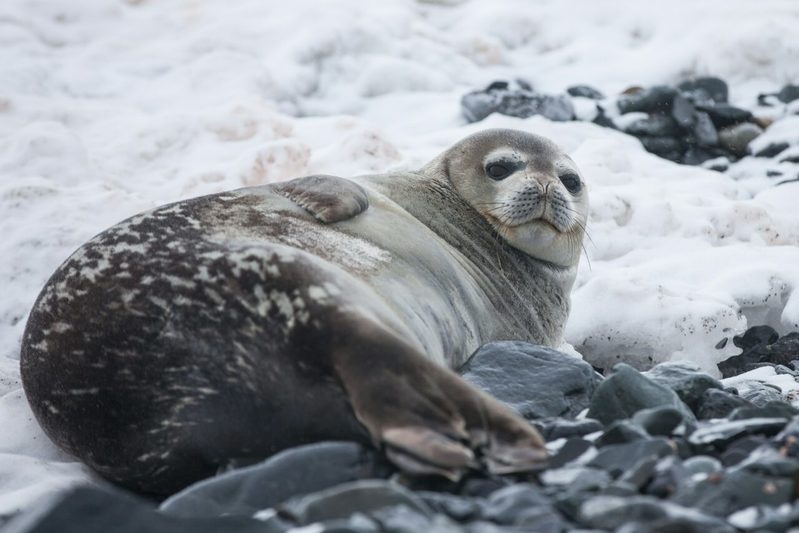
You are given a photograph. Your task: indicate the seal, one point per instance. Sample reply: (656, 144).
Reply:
(238, 324)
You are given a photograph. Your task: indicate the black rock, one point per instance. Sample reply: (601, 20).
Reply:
(724, 115)
(719, 404)
(522, 103)
(341, 501)
(621, 432)
(653, 126)
(656, 99)
(696, 155)
(641, 473)
(724, 493)
(794, 158)
(619, 458)
(789, 93)
(627, 391)
(576, 478)
(458, 508)
(772, 150)
(572, 449)
(669, 476)
(724, 432)
(685, 379)
(706, 87)
(644, 513)
(736, 138)
(773, 409)
(94, 510)
(586, 91)
(481, 485)
(296, 471)
(403, 519)
(741, 449)
(666, 147)
(658, 421)
(704, 131)
(773, 173)
(507, 505)
(761, 346)
(768, 461)
(760, 394)
(756, 336)
(702, 464)
(536, 381)
(683, 112)
(560, 428)
(760, 518)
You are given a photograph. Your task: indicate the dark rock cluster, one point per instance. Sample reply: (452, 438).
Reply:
(671, 449)
(692, 123)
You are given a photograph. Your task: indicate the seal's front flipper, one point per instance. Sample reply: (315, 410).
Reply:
(328, 198)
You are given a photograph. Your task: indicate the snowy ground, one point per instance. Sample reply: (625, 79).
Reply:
(110, 108)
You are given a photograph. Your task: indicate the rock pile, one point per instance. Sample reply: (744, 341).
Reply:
(671, 449)
(692, 123)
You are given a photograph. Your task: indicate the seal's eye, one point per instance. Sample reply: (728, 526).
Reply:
(571, 181)
(497, 171)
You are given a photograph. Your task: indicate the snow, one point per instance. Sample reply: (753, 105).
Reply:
(111, 108)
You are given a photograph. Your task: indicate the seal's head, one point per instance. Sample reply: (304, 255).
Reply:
(526, 187)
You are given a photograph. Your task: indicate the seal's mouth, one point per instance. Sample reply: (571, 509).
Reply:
(541, 220)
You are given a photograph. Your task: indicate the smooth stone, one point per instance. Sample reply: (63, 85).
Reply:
(576, 478)
(685, 379)
(482, 485)
(293, 472)
(458, 508)
(683, 112)
(653, 100)
(619, 458)
(586, 91)
(759, 518)
(603, 120)
(761, 345)
(720, 164)
(756, 336)
(658, 421)
(726, 492)
(357, 523)
(403, 519)
(740, 450)
(626, 391)
(702, 464)
(653, 126)
(560, 428)
(572, 449)
(777, 409)
(536, 381)
(772, 149)
(696, 155)
(761, 395)
(640, 474)
(715, 88)
(94, 510)
(724, 115)
(666, 147)
(620, 432)
(727, 431)
(543, 519)
(668, 477)
(767, 461)
(736, 138)
(522, 103)
(507, 506)
(719, 404)
(343, 500)
(789, 93)
(613, 512)
(704, 130)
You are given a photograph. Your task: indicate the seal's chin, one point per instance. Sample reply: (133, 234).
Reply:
(541, 239)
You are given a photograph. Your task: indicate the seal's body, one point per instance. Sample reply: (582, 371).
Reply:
(238, 324)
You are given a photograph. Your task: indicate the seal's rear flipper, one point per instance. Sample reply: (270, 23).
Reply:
(328, 198)
(428, 418)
